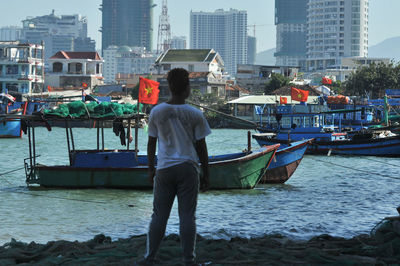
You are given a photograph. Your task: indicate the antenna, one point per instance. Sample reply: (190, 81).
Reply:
(164, 30)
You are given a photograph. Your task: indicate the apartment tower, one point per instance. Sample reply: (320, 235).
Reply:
(336, 29)
(223, 31)
(291, 32)
(127, 22)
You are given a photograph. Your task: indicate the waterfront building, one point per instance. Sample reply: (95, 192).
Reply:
(126, 60)
(204, 65)
(73, 69)
(193, 60)
(336, 29)
(254, 77)
(178, 42)
(291, 32)
(127, 22)
(223, 31)
(59, 33)
(21, 67)
(10, 33)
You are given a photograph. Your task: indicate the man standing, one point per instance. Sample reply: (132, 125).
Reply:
(180, 130)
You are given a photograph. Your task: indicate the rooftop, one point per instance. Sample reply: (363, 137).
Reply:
(187, 55)
(76, 55)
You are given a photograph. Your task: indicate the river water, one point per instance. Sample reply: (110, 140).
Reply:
(336, 195)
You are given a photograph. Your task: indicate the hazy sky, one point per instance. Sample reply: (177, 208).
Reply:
(384, 19)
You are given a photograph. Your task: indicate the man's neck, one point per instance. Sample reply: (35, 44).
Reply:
(177, 100)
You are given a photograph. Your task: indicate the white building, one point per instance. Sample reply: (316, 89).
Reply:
(223, 31)
(58, 32)
(73, 69)
(126, 60)
(193, 60)
(336, 29)
(10, 33)
(21, 67)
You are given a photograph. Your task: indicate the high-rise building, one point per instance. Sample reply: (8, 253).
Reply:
(223, 31)
(59, 33)
(127, 22)
(291, 32)
(10, 33)
(336, 29)
(126, 60)
(251, 49)
(178, 42)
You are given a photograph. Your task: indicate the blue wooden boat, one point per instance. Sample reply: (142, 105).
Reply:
(286, 160)
(11, 127)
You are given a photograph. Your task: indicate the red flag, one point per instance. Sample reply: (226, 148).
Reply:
(326, 81)
(299, 95)
(148, 91)
(49, 88)
(283, 100)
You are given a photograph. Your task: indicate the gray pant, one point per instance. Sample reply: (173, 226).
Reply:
(183, 181)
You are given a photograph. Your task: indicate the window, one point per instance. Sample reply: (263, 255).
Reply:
(57, 67)
(191, 68)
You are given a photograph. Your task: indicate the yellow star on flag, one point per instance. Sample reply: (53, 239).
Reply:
(148, 90)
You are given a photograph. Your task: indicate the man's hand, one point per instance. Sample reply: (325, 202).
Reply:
(204, 182)
(150, 174)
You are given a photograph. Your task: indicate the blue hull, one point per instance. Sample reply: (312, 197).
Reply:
(289, 154)
(389, 146)
(285, 162)
(10, 129)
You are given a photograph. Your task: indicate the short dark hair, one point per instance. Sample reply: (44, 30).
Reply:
(178, 80)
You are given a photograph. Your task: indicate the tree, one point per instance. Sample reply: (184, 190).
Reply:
(277, 81)
(374, 79)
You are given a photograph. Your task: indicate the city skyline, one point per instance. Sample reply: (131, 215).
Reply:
(382, 17)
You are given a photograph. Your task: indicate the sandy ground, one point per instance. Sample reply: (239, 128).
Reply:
(380, 248)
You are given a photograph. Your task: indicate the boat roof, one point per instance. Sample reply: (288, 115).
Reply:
(269, 99)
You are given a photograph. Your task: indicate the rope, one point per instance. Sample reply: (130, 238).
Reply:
(356, 169)
(382, 162)
(12, 171)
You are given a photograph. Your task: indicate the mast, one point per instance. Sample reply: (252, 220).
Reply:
(164, 30)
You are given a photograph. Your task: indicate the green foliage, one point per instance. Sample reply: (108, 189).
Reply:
(277, 81)
(374, 80)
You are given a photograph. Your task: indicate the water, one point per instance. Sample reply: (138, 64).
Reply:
(324, 196)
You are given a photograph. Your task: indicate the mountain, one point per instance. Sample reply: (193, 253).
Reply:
(389, 48)
(266, 57)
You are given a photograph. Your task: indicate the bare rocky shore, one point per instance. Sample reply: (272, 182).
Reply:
(382, 247)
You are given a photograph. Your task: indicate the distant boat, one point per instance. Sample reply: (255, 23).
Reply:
(375, 143)
(286, 160)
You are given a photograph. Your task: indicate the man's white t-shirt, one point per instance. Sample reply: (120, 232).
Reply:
(177, 127)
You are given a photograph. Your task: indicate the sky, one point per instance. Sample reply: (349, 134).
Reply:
(384, 19)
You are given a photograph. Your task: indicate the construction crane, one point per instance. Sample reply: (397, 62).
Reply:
(257, 25)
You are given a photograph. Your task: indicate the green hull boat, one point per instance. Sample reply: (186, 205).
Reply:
(230, 171)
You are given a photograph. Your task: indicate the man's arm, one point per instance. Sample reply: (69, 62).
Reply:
(201, 149)
(151, 154)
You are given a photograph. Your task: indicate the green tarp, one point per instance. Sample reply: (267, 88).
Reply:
(96, 110)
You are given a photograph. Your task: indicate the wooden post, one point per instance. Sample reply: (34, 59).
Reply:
(248, 141)
(102, 135)
(98, 135)
(30, 144)
(69, 148)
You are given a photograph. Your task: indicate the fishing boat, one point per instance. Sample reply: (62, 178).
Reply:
(126, 168)
(286, 160)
